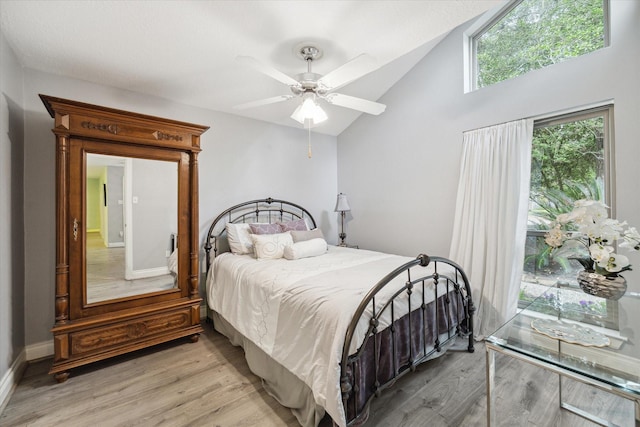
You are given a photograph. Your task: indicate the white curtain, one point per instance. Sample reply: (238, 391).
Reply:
(491, 218)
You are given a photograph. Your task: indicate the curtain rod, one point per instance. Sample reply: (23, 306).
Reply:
(552, 113)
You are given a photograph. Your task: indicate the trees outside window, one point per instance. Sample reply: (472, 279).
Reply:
(570, 161)
(532, 34)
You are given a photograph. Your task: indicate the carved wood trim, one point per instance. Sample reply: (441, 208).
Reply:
(61, 121)
(194, 222)
(61, 347)
(195, 314)
(104, 127)
(101, 338)
(161, 135)
(62, 236)
(86, 120)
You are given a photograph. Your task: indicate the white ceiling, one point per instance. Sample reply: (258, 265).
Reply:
(185, 50)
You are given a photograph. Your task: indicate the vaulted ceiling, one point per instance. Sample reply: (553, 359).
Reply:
(185, 51)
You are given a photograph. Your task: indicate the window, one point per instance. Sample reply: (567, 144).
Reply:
(532, 34)
(570, 161)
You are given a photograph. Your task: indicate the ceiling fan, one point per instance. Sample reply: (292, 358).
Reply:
(312, 87)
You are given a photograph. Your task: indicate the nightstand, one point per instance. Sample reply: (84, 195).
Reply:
(349, 246)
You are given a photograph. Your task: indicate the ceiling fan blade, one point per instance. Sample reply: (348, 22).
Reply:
(346, 73)
(261, 102)
(267, 70)
(354, 103)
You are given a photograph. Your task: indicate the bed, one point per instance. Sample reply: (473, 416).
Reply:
(327, 328)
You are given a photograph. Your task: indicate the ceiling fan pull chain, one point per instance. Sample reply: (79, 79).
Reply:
(309, 147)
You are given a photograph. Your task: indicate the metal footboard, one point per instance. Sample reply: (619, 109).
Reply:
(409, 339)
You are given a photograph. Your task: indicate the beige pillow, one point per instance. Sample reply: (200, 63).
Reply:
(301, 236)
(270, 246)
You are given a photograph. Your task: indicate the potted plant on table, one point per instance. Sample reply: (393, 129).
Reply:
(589, 225)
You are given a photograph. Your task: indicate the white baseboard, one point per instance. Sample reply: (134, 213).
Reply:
(39, 350)
(11, 378)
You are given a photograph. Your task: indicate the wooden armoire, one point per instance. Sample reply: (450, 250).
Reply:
(127, 232)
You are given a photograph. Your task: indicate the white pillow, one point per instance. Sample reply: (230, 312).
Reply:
(239, 238)
(305, 249)
(271, 246)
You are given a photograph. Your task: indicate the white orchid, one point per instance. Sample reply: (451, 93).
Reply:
(631, 239)
(615, 263)
(555, 237)
(604, 230)
(589, 224)
(599, 253)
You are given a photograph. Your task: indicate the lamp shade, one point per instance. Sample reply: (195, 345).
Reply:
(342, 205)
(309, 111)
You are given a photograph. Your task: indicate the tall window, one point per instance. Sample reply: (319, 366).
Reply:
(532, 34)
(570, 161)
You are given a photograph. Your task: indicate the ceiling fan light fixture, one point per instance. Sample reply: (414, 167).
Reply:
(312, 86)
(309, 111)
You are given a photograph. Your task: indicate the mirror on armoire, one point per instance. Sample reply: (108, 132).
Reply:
(131, 226)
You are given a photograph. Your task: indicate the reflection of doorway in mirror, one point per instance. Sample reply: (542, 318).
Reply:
(107, 243)
(151, 216)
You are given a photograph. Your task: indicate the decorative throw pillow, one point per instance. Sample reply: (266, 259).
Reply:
(301, 236)
(265, 228)
(239, 238)
(305, 249)
(271, 246)
(297, 224)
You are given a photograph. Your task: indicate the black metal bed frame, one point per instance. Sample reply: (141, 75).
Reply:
(456, 312)
(253, 211)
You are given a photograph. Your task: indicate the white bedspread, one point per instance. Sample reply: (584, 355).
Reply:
(298, 311)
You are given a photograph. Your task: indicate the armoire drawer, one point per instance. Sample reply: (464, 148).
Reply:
(126, 332)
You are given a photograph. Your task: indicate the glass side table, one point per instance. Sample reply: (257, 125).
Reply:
(559, 332)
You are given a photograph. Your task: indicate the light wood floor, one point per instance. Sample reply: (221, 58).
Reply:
(106, 273)
(209, 384)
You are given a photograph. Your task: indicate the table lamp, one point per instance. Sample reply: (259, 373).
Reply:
(342, 206)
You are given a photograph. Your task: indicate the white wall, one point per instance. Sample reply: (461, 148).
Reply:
(241, 159)
(400, 169)
(154, 216)
(11, 211)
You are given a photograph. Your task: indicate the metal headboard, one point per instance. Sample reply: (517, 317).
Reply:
(261, 210)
